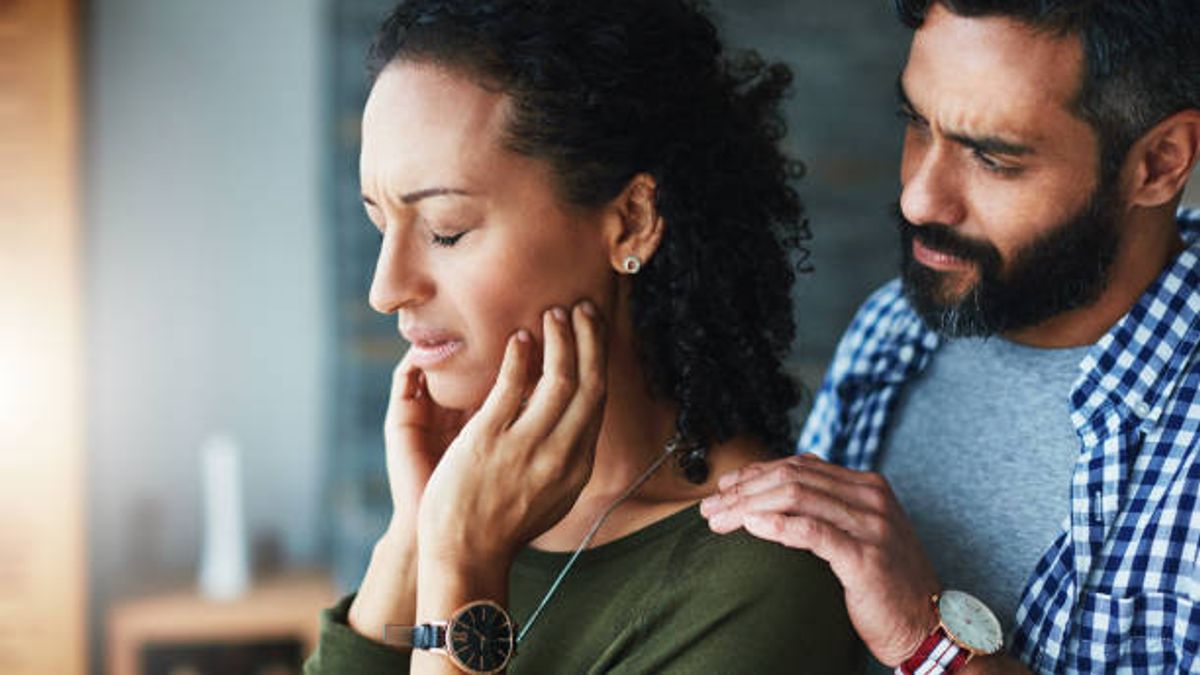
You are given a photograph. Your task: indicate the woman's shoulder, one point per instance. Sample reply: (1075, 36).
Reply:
(735, 589)
(741, 560)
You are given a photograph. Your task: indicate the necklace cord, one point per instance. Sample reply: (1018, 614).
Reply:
(587, 538)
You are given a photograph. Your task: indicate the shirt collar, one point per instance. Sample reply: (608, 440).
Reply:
(1136, 365)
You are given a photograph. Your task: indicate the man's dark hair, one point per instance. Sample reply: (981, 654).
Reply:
(603, 90)
(1141, 58)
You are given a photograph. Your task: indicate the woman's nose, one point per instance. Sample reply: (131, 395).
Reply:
(400, 280)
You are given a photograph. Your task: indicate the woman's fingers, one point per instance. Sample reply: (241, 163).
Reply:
(404, 407)
(504, 400)
(558, 382)
(583, 410)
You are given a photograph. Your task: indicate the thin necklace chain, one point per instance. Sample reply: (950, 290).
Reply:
(668, 450)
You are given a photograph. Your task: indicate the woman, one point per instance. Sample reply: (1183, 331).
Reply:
(588, 237)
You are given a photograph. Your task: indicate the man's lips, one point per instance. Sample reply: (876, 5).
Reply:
(938, 260)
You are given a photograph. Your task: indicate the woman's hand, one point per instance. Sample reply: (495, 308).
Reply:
(416, 433)
(513, 471)
(517, 467)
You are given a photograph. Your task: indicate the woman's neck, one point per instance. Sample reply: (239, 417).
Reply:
(633, 435)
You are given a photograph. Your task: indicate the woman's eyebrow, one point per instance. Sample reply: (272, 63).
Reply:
(427, 193)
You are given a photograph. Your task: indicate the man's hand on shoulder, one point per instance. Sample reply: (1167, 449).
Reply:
(852, 520)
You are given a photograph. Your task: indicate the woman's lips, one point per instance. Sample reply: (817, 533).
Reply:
(431, 347)
(937, 259)
(430, 354)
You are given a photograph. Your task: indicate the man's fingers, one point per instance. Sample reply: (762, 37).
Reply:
(797, 499)
(826, 541)
(812, 462)
(858, 489)
(558, 381)
(504, 400)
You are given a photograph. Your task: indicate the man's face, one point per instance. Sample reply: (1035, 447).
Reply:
(1004, 220)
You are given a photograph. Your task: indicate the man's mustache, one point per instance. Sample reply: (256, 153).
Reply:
(945, 239)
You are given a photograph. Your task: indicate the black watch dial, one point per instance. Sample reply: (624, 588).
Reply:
(479, 638)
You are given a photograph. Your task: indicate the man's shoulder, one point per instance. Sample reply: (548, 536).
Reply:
(887, 304)
(884, 324)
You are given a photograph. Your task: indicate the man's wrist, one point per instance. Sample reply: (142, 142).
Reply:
(923, 624)
(965, 630)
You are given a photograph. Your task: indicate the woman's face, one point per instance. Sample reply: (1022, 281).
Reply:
(476, 243)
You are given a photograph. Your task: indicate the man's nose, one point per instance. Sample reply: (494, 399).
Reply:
(932, 188)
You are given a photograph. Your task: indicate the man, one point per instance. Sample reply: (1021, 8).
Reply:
(1030, 387)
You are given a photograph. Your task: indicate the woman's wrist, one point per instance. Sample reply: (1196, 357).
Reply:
(388, 593)
(445, 583)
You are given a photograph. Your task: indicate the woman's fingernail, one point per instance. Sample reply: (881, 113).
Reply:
(523, 336)
(559, 314)
(588, 308)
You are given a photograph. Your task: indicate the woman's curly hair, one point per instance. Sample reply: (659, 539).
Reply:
(603, 90)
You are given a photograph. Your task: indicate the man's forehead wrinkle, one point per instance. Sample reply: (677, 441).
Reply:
(991, 77)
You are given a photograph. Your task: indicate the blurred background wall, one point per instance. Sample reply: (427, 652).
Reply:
(205, 277)
(219, 143)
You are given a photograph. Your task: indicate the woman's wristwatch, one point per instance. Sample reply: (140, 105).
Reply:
(966, 628)
(479, 638)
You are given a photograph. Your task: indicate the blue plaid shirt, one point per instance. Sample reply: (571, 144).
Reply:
(1119, 589)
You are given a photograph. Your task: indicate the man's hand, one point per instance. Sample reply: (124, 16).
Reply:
(852, 520)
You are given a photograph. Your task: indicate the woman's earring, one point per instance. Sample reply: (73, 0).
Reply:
(632, 264)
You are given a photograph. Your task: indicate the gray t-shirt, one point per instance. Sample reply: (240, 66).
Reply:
(980, 454)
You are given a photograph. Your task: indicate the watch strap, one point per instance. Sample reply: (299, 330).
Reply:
(938, 654)
(429, 636)
(425, 636)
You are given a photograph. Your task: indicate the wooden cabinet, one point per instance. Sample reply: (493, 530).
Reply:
(270, 631)
(42, 560)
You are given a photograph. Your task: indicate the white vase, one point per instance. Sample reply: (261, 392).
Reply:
(224, 563)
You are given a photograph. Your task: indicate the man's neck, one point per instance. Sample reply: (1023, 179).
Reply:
(1150, 242)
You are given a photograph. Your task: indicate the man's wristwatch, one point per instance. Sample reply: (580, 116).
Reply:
(966, 628)
(479, 637)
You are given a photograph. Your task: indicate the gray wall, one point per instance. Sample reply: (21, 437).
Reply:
(845, 57)
(205, 277)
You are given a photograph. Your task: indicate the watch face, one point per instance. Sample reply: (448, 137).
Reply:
(479, 638)
(970, 622)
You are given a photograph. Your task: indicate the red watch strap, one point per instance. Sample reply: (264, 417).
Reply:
(937, 654)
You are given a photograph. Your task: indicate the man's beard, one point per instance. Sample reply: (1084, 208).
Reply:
(1066, 268)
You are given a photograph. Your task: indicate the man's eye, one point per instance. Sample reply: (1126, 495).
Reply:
(990, 163)
(909, 117)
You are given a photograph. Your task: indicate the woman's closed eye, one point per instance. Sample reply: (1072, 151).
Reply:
(446, 240)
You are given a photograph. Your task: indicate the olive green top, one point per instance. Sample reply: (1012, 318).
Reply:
(672, 597)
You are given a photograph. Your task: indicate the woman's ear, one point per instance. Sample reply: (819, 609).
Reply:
(1163, 159)
(635, 228)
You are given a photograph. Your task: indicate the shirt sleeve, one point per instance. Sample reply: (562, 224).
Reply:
(340, 649)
